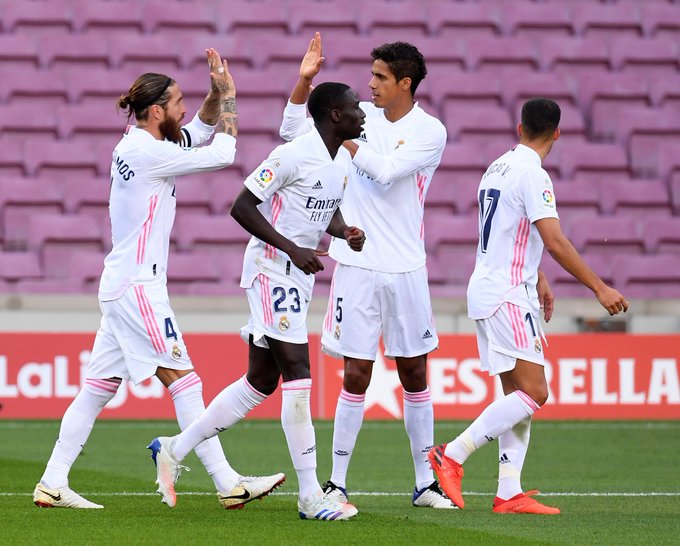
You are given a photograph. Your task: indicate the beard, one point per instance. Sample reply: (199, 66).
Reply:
(171, 130)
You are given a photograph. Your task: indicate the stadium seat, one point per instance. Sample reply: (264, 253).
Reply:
(48, 286)
(479, 120)
(645, 58)
(193, 193)
(453, 231)
(96, 16)
(27, 85)
(636, 199)
(261, 116)
(144, 53)
(217, 232)
(73, 50)
(649, 276)
(35, 118)
(238, 52)
(225, 185)
(64, 229)
(273, 53)
(175, 20)
(573, 157)
(19, 51)
(576, 197)
(661, 20)
(19, 265)
(557, 87)
(656, 158)
(609, 21)
(12, 157)
(67, 157)
(196, 265)
(465, 89)
(445, 58)
(675, 192)
(248, 21)
(536, 21)
(90, 120)
(100, 86)
(606, 235)
(37, 18)
(501, 56)
(577, 58)
(565, 285)
(334, 18)
(86, 267)
(404, 19)
(661, 235)
(609, 90)
(463, 20)
(84, 192)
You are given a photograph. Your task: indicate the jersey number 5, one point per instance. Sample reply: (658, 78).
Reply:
(488, 201)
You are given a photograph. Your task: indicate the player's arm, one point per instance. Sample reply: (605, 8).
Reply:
(410, 156)
(295, 120)
(545, 296)
(564, 253)
(202, 126)
(245, 212)
(354, 236)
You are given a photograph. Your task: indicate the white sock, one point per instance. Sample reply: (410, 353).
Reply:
(498, 417)
(187, 395)
(227, 408)
(296, 419)
(75, 429)
(419, 423)
(512, 450)
(349, 415)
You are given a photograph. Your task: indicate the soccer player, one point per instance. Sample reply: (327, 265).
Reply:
(384, 289)
(288, 202)
(139, 336)
(517, 218)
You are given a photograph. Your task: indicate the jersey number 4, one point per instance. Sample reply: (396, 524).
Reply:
(488, 201)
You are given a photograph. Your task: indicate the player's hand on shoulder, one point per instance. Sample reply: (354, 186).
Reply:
(306, 259)
(612, 300)
(355, 238)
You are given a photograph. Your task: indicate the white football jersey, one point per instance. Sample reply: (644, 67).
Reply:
(385, 197)
(300, 187)
(142, 201)
(515, 192)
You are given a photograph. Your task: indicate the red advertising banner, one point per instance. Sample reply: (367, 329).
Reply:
(591, 376)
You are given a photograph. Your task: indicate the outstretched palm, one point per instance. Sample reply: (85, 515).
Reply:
(311, 62)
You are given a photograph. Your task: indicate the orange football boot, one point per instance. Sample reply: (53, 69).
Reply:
(449, 472)
(522, 504)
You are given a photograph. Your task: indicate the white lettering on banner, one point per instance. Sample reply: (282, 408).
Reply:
(664, 381)
(627, 383)
(470, 380)
(62, 389)
(572, 379)
(601, 395)
(42, 388)
(443, 373)
(6, 390)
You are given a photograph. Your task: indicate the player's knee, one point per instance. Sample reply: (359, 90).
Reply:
(356, 380)
(539, 394)
(265, 384)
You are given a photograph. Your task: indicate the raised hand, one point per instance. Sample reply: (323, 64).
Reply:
(311, 62)
(221, 81)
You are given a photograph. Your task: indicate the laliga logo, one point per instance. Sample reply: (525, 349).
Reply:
(266, 175)
(548, 197)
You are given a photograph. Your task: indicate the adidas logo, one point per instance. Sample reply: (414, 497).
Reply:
(504, 459)
(427, 335)
(317, 186)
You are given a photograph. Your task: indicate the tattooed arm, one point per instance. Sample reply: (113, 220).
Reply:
(219, 107)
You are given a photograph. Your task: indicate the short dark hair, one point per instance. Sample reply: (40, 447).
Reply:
(540, 117)
(326, 97)
(404, 61)
(148, 89)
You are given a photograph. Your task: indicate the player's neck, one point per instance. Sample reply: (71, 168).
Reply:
(394, 112)
(541, 147)
(153, 130)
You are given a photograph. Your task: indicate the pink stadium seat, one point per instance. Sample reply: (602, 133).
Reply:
(452, 230)
(225, 185)
(575, 57)
(238, 52)
(618, 88)
(576, 198)
(357, 57)
(443, 56)
(553, 86)
(404, 19)
(661, 235)
(100, 86)
(96, 16)
(573, 157)
(19, 265)
(86, 191)
(48, 286)
(193, 266)
(193, 193)
(37, 18)
(452, 267)
(479, 120)
(35, 118)
(85, 267)
(665, 91)
(606, 235)
(657, 158)
(27, 85)
(277, 54)
(646, 58)
(675, 192)
(12, 157)
(176, 20)
(19, 51)
(609, 21)
(90, 120)
(536, 21)
(565, 285)
(462, 20)
(661, 20)
(260, 116)
(250, 21)
(209, 231)
(501, 56)
(333, 18)
(145, 53)
(63, 228)
(79, 50)
(649, 276)
(67, 157)
(465, 89)
(638, 199)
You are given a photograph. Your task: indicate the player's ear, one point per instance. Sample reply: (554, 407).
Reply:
(405, 83)
(557, 134)
(519, 130)
(335, 115)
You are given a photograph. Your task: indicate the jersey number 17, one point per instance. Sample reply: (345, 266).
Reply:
(488, 201)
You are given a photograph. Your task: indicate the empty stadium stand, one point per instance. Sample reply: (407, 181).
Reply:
(613, 65)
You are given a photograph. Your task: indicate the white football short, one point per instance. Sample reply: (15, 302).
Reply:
(364, 304)
(512, 332)
(138, 334)
(278, 309)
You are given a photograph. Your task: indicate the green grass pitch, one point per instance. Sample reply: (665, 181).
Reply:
(616, 483)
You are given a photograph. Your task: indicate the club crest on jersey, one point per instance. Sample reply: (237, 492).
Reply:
(337, 332)
(284, 323)
(176, 353)
(548, 197)
(537, 345)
